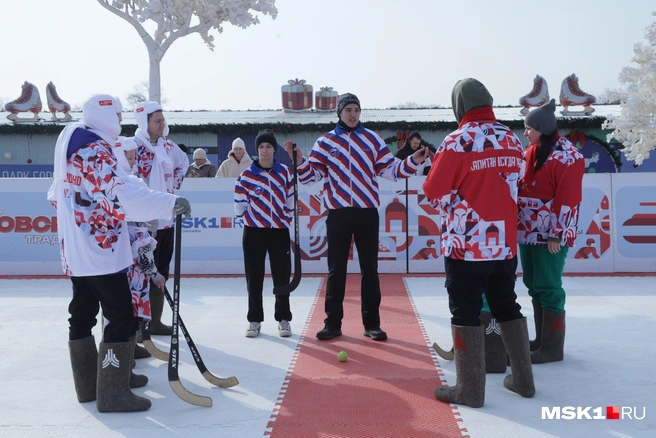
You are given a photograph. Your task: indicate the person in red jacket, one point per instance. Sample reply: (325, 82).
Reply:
(549, 198)
(473, 182)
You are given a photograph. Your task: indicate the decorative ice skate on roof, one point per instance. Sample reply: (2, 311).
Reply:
(55, 103)
(539, 95)
(28, 101)
(571, 94)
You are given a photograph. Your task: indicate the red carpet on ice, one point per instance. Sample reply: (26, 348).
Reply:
(384, 389)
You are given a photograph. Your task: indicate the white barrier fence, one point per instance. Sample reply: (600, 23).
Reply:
(617, 228)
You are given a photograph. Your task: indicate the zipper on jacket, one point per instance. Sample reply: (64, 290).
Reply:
(350, 170)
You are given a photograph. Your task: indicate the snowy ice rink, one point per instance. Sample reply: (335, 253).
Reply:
(609, 361)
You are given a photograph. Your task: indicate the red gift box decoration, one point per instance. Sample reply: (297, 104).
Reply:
(297, 95)
(326, 99)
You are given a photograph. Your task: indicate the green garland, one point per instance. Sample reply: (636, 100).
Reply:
(578, 124)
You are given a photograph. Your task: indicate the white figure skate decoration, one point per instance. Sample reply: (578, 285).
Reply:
(55, 103)
(571, 94)
(539, 95)
(28, 101)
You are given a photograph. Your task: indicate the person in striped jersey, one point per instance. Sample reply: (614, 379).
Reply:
(349, 159)
(264, 201)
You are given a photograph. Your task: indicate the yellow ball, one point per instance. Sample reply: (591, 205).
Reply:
(342, 356)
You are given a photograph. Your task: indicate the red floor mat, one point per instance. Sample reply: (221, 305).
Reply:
(384, 389)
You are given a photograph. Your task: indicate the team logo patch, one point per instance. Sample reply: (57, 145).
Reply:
(334, 152)
(258, 190)
(105, 102)
(140, 109)
(110, 359)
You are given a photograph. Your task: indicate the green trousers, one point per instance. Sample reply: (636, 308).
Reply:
(543, 275)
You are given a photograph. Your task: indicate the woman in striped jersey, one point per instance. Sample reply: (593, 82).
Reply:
(264, 200)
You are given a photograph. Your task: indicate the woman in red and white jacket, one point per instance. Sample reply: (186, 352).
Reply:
(549, 198)
(264, 200)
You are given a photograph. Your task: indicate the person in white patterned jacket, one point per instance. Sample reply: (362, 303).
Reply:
(93, 196)
(163, 165)
(264, 201)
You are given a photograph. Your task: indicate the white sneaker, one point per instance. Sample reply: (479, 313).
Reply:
(284, 329)
(253, 329)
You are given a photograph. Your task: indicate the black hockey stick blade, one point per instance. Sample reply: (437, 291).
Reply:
(221, 382)
(296, 280)
(150, 346)
(446, 355)
(174, 376)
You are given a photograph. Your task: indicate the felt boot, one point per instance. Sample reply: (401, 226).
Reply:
(553, 338)
(136, 380)
(113, 388)
(537, 316)
(468, 344)
(84, 361)
(515, 337)
(495, 351)
(156, 309)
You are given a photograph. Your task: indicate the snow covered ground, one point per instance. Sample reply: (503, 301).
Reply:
(609, 361)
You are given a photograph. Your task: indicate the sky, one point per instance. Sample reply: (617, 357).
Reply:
(387, 52)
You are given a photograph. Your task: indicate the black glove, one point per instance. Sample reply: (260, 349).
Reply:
(182, 206)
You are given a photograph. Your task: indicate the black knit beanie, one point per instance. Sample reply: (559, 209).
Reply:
(266, 136)
(346, 99)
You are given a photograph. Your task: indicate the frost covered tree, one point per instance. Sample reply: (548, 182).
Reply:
(177, 18)
(635, 127)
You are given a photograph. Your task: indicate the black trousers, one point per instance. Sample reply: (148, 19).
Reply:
(257, 242)
(467, 281)
(361, 225)
(164, 251)
(112, 293)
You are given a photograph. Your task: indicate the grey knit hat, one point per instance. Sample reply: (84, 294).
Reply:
(543, 118)
(346, 99)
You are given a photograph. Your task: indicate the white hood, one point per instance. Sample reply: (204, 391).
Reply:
(99, 114)
(121, 146)
(163, 163)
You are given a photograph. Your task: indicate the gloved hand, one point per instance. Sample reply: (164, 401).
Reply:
(182, 207)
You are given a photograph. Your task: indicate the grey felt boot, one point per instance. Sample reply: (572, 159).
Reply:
(156, 309)
(553, 338)
(468, 343)
(495, 351)
(140, 352)
(84, 361)
(113, 390)
(136, 380)
(537, 316)
(515, 336)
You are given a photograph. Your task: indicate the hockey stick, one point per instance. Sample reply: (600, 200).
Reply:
(174, 377)
(216, 381)
(150, 346)
(446, 355)
(283, 290)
